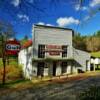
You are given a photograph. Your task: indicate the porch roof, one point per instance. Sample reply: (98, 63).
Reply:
(51, 59)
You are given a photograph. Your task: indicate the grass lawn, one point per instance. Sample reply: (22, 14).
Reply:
(13, 71)
(1, 62)
(11, 62)
(95, 54)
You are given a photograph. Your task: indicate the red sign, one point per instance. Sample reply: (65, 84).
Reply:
(12, 47)
(54, 53)
(53, 49)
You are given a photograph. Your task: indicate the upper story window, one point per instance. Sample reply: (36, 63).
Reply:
(64, 52)
(41, 51)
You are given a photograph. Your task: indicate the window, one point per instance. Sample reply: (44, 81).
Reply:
(87, 65)
(64, 52)
(41, 51)
(64, 67)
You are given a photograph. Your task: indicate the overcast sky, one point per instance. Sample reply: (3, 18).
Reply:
(63, 14)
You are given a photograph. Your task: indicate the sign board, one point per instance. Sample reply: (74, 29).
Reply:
(54, 53)
(12, 47)
(54, 49)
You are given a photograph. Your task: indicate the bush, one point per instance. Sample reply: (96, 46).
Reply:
(12, 73)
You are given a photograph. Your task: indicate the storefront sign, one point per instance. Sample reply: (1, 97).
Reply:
(53, 49)
(54, 53)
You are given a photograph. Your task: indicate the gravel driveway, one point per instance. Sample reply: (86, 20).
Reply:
(66, 90)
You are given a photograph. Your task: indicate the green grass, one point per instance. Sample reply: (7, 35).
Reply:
(95, 54)
(11, 62)
(1, 62)
(13, 71)
(16, 84)
(14, 78)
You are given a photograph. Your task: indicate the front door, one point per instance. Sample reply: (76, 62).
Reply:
(54, 68)
(40, 71)
(64, 67)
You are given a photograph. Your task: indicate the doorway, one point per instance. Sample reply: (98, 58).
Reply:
(40, 71)
(92, 67)
(54, 68)
(64, 67)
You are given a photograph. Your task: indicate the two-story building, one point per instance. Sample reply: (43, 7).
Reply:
(52, 53)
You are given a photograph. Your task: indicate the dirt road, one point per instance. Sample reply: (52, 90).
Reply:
(63, 89)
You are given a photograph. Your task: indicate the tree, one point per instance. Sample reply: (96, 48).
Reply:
(92, 43)
(79, 42)
(6, 31)
(24, 40)
(0, 46)
(97, 34)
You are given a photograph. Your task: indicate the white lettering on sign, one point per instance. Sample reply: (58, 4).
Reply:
(54, 53)
(12, 47)
(53, 49)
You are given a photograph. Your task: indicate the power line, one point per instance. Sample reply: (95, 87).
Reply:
(80, 16)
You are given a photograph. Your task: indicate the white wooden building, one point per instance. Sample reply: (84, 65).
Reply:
(52, 53)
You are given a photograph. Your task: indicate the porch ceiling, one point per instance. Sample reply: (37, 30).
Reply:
(51, 59)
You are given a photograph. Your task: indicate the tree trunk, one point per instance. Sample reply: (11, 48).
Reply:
(4, 72)
(4, 61)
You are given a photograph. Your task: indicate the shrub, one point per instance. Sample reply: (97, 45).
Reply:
(12, 73)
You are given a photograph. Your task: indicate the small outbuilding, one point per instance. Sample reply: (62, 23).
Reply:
(95, 60)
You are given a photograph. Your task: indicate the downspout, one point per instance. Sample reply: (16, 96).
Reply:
(33, 44)
(73, 52)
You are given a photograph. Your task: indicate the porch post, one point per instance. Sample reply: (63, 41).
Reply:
(94, 66)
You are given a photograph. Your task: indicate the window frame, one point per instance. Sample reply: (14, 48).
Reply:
(64, 52)
(41, 51)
